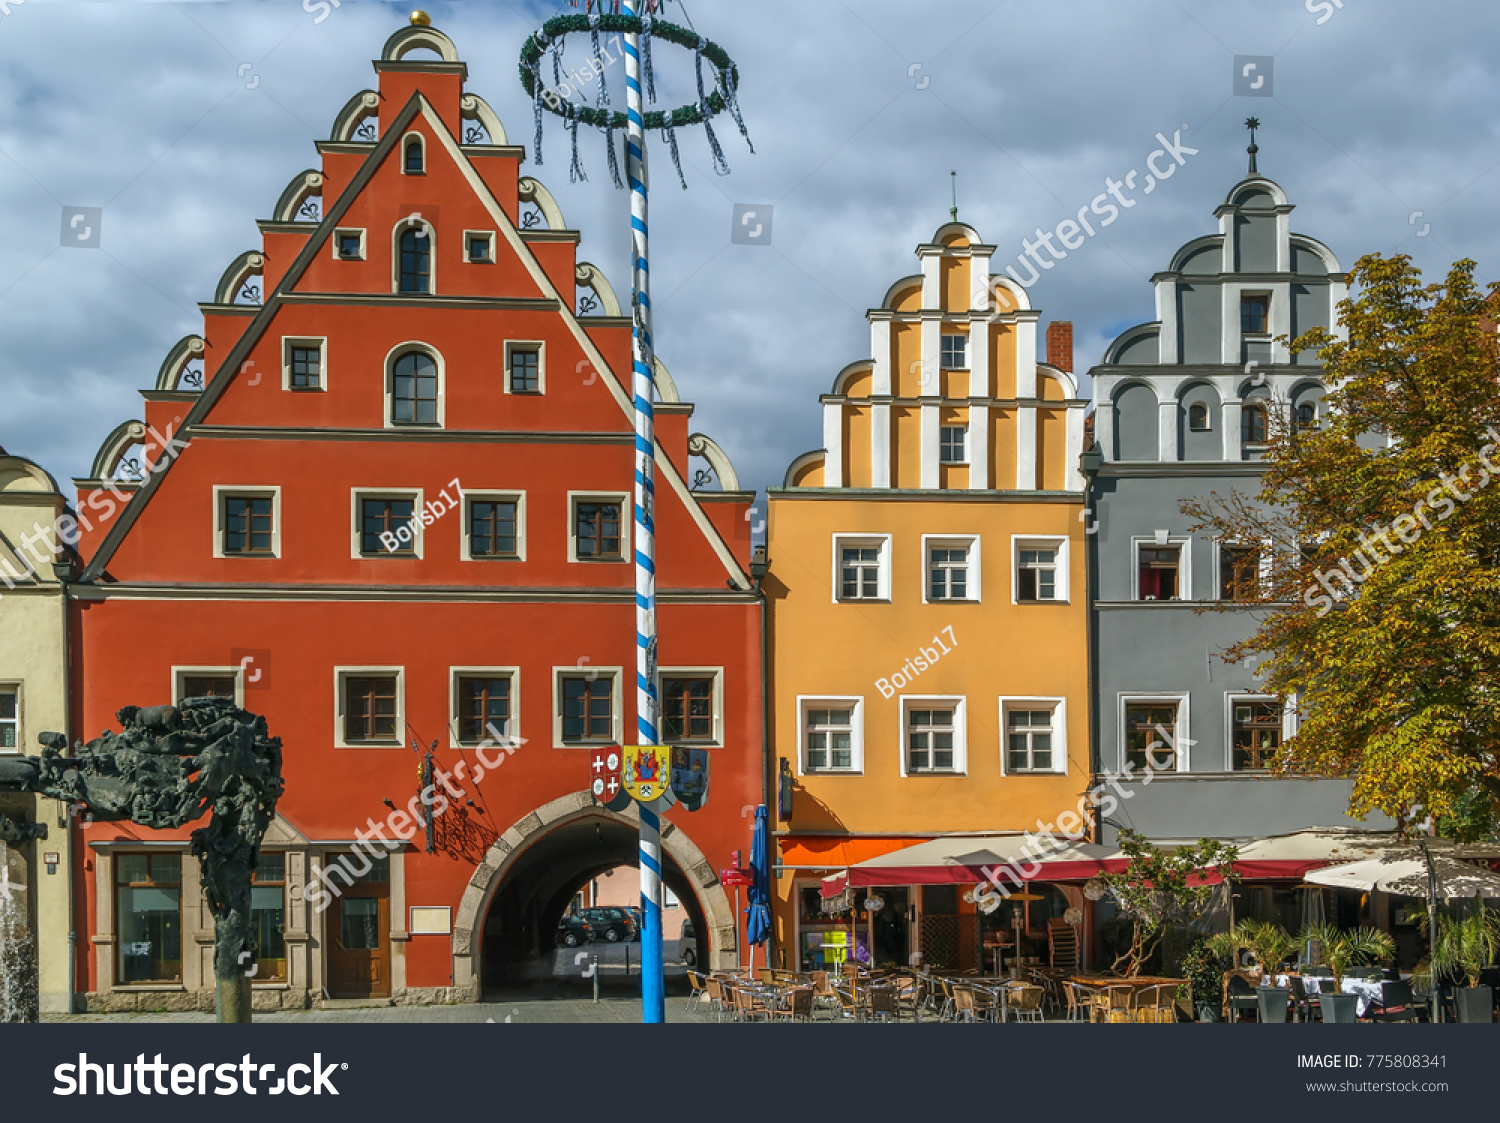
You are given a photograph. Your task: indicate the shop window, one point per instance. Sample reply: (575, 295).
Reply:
(268, 917)
(10, 718)
(148, 917)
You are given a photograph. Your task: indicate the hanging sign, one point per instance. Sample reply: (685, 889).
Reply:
(604, 778)
(690, 777)
(647, 771)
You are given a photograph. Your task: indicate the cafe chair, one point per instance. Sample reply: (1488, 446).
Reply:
(797, 1007)
(965, 1008)
(696, 990)
(1304, 1002)
(882, 1003)
(1239, 996)
(749, 1006)
(1025, 1002)
(1117, 1002)
(1397, 1004)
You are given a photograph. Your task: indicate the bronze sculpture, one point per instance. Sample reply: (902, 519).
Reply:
(169, 766)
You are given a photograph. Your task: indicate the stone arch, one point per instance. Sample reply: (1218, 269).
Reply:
(488, 877)
(409, 39)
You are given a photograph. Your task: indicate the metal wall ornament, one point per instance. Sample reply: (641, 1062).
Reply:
(1096, 889)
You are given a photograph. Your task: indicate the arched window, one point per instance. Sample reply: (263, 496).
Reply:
(414, 390)
(1253, 424)
(416, 259)
(1198, 417)
(413, 164)
(1307, 417)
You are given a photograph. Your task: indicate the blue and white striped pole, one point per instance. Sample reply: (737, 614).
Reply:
(653, 988)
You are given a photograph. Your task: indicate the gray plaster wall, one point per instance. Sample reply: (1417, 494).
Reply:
(1240, 808)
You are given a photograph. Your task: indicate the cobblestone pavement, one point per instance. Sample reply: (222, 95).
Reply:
(500, 1011)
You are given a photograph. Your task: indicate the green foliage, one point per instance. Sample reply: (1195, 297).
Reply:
(1343, 948)
(1163, 887)
(1466, 944)
(1383, 610)
(1203, 966)
(1269, 943)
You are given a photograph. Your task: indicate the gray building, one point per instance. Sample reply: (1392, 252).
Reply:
(1183, 408)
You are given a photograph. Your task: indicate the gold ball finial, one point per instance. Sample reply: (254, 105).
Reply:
(420, 18)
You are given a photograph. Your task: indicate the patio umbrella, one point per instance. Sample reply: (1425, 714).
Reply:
(758, 914)
(1404, 874)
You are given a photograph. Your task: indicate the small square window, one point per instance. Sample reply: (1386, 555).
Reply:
(954, 446)
(860, 572)
(307, 368)
(1253, 314)
(478, 248)
(387, 528)
(1198, 418)
(525, 371)
(351, 246)
(955, 353)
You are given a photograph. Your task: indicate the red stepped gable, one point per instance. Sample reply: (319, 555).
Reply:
(243, 563)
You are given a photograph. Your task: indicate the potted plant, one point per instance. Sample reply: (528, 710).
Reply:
(1344, 948)
(1466, 946)
(1270, 944)
(1203, 967)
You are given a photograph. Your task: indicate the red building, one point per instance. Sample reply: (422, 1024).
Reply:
(395, 508)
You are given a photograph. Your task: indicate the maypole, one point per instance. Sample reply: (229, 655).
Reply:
(646, 768)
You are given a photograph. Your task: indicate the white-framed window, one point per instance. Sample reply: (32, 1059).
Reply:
(1034, 736)
(385, 522)
(1198, 418)
(10, 717)
(1154, 732)
(413, 154)
(304, 362)
(955, 351)
(369, 707)
(1256, 726)
(953, 444)
(348, 243)
(494, 526)
(861, 567)
(208, 682)
(479, 247)
(414, 386)
(690, 709)
(831, 735)
(413, 262)
(933, 735)
(950, 568)
(525, 366)
(599, 526)
(247, 521)
(1162, 567)
(1242, 568)
(587, 708)
(1040, 570)
(485, 705)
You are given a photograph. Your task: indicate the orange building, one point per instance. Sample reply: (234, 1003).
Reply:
(384, 501)
(928, 635)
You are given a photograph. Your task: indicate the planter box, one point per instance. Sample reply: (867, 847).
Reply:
(1474, 1004)
(1339, 1008)
(1209, 1012)
(1273, 1003)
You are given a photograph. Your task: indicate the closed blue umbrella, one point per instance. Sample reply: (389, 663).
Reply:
(758, 914)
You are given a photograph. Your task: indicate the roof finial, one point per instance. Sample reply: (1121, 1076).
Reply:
(420, 18)
(953, 210)
(1252, 123)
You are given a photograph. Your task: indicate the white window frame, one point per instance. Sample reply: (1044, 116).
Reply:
(512, 731)
(318, 342)
(944, 336)
(1288, 725)
(489, 237)
(1181, 736)
(340, 674)
(222, 492)
(714, 673)
(1184, 544)
(856, 705)
(17, 688)
(487, 495)
(1263, 566)
(1061, 586)
(882, 542)
(584, 670)
(399, 351)
(356, 520)
(1059, 708)
(405, 144)
(181, 673)
(942, 429)
(540, 347)
(403, 224)
(970, 542)
(342, 231)
(1208, 413)
(627, 524)
(958, 703)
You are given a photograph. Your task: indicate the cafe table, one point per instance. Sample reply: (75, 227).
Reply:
(1366, 990)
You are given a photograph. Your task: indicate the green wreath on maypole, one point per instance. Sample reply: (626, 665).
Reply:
(550, 40)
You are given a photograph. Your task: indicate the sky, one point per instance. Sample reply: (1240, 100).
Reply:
(184, 121)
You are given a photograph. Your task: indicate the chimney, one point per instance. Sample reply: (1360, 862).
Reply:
(1060, 344)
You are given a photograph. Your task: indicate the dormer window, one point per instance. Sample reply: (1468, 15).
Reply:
(413, 158)
(1255, 315)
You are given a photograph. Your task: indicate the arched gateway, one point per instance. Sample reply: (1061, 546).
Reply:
(547, 854)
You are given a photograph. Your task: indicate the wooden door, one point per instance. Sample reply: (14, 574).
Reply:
(359, 947)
